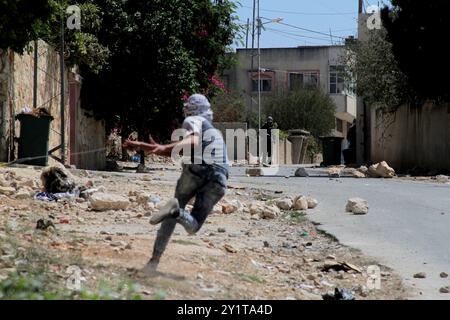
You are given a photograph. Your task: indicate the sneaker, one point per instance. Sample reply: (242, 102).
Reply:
(169, 210)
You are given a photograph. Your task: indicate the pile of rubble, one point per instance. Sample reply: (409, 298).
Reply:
(270, 209)
(378, 170)
(17, 187)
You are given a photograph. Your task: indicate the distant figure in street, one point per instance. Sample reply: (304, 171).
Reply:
(269, 126)
(350, 153)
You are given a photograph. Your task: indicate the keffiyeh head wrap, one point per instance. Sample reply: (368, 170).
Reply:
(198, 105)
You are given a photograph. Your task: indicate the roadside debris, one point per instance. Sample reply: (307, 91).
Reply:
(296, 203)
(312, 203)
(229, 248)
(44, 224)
(231, 207)
(381, 170)
(56, 180)
(7, 191)
(154, 199)
(359, 174)
(270, 212)
(442, 179)
(37, 112)
(357, 206)
(86, 194)
(335, 172)
(48, 196)
(254, 172)
(104, 202)
(339, 294)
(420, 275)
(284, 203)
(444, 275)
(340, 266)
(444, 290)
(301, 172)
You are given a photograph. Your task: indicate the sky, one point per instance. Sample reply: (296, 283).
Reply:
(338, 17)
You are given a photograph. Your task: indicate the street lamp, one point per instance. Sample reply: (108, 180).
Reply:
(260, 27)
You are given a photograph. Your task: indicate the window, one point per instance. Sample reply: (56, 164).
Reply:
(337, 83)
(298, 80)
(266, 79)
(339, 125)
(266, 85)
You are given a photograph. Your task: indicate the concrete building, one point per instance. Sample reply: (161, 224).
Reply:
(288, 68)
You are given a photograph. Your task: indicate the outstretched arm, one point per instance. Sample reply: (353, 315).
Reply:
(160, 149)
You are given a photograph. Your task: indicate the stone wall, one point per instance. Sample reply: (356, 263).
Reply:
(412, 137)
(17, 71)
(5, 104)
(90, 142)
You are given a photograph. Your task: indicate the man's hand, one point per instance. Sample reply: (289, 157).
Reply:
(158, 149)
(132, 145)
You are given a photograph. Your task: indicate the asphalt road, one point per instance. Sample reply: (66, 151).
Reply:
(407, 228)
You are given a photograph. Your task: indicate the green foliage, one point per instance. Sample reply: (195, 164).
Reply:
(417, 31)
(82, 47)
(160, 50)
(17, 287)
(310, 110)
(378, 79)
(296, 217)
(160, 295)
(32, 278)
(249, 277)
(138, 58)
(22, 21)
(229, 107)
(314, 148)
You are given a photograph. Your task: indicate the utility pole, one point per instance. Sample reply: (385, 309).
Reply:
(259, 66)
(35, 80)
(63, 96)
(253, 53)
(246, 33)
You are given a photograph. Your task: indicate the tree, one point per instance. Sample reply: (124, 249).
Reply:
(161, 50)
(417, 31)
(82, 47)
(307, 109)
(372, 70)
(22, 21)
(229, 107)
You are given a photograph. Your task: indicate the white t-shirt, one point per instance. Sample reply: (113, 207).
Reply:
(212, 150)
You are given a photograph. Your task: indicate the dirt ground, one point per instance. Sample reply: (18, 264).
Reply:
(234, 256)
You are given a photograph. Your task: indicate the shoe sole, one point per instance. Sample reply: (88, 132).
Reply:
(165, 212)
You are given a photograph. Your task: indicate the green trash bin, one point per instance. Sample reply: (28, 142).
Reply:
(332, 151)
(33, 141)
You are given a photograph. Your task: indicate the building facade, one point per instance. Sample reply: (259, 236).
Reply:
(289, 68)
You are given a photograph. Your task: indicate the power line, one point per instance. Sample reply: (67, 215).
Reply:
(306, 13)
(297, 35)
(293, 38)
(244, 24)
(309, 30)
